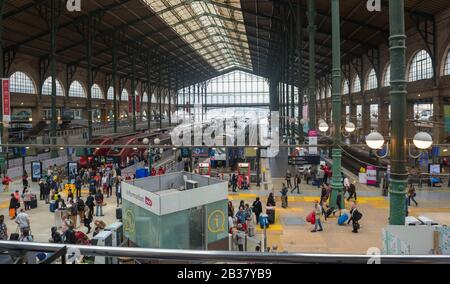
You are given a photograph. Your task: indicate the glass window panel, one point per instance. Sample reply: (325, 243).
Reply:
(421, 67)
(20, 82)
(372, 81)
(47, 87)
(447, 64)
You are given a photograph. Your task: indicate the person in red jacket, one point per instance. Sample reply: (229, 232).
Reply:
(160, 171)
(6, 182)
(153, 173)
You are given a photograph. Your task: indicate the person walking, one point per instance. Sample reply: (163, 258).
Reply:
(288, 179)
(257, 209)
(27, 199)
(355, 216)
(318, 215)
(99, 203)
(284, 201)
(339, 202)
(23, 221)
(78, 185)
(351, 191)
(73, 210)
(118, 191)
(25, 179)
(80, 207)
(270, 200)
(3, 229)
(346, 185)
(13, 205)
(411, 195)
(90, 202)
(230, 209)
(6, 183)
(234, 182)
(88, 217)
(41, 189)
(47, 192)
(297, 181)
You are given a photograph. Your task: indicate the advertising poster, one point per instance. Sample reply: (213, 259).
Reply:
(435, 168)
(36, 171)
(371, 175)
(312, 135)
(200, 152)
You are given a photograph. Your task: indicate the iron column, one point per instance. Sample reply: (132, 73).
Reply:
(114, 74)
(312, 64)
(53, 24)
(336, 183)
(89, 75)
(133, 91)
(397, 42)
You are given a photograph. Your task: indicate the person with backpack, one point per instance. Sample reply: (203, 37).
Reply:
(80, 207)
(78, 184)
(257, 209)
(90, 202)
(99, 203)
(13, 205)
(355, 216)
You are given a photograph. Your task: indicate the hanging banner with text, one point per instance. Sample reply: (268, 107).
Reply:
(138, 104)
(130, 104)
(6, 99)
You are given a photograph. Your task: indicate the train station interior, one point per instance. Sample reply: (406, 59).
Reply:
(281, 128)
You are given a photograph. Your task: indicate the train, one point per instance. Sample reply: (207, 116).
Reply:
(121, 156)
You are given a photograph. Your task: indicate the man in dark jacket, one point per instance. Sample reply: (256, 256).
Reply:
(257, 208)
(99, 203)
(47, 192)
(41, 190)
(78, 186)
(90, 202)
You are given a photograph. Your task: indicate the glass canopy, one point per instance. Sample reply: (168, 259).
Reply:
(215, 29)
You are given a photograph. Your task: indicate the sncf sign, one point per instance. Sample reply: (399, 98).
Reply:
(148, 201)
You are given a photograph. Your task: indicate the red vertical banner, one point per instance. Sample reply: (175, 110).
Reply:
(130, 105)
(6, 100)
(138, 104)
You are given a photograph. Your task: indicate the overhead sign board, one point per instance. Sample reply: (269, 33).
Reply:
(304, 160)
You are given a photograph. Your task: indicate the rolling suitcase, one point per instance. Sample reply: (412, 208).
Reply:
(52, 206)
(342, 219)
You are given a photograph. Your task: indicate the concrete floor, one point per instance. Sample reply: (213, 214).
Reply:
(291, 238)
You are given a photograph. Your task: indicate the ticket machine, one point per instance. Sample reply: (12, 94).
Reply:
(204, 169)
(243, 175)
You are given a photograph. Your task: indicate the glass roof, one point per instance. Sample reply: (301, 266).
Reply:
(215, 29)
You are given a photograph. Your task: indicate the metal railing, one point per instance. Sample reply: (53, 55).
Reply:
(11, 247)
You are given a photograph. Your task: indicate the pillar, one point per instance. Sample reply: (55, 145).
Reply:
(438, 118)
(410, 117)
(336, 183)
(397, 47)
(312, 63)
(53, 27)
(383, 118)
(114, 83)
